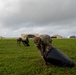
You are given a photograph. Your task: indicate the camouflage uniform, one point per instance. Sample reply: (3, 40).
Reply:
(44, 44)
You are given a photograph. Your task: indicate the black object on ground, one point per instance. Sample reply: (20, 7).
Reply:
(25, 43)
(56, 57)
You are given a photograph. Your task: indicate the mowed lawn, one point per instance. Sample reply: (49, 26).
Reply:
(23, 60)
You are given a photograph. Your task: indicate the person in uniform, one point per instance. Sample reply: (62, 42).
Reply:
(44, 44)
(24, 41)
(19, 41)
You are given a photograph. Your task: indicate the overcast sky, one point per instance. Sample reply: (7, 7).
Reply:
(37, 16)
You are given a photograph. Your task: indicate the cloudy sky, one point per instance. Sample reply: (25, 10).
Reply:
(37, 16)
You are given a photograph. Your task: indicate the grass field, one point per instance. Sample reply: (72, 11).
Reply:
(22, 60)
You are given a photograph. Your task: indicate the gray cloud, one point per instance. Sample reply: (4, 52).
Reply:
(37, 16)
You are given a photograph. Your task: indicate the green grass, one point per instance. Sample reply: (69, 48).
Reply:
(23, 60)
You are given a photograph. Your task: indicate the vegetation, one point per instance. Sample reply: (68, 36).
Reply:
(24, 60)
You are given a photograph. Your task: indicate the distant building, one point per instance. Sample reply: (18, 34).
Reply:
(56, 36)
(29, 35)
(33, 35)
(73, 36)
(53, 37)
